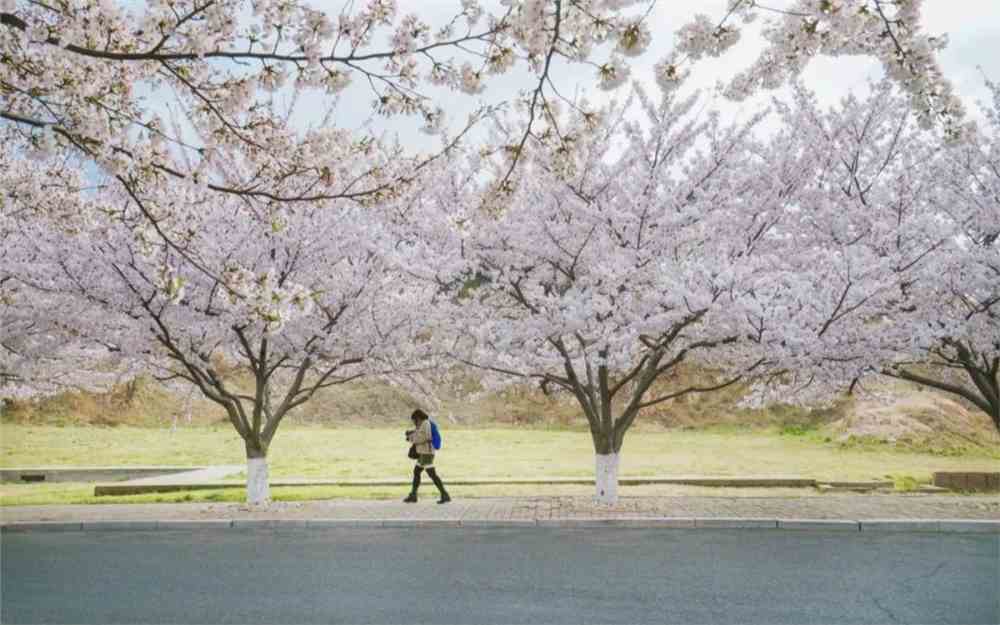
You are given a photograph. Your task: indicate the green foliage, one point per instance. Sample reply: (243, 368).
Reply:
(906, 483)
(945, 445)
(798, 429)
(471, 284)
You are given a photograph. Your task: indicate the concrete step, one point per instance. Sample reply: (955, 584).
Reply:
(826, 488)
(853, 487)
(857, 484)
(203, 474)
(92, 474)
(927, 488)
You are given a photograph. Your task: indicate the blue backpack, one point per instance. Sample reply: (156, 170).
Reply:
(435, 436)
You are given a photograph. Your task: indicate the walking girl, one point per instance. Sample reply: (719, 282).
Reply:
(423, 452)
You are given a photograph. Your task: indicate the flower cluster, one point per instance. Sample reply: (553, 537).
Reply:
(264, 299)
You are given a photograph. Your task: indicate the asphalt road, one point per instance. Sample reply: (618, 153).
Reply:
(535, 575)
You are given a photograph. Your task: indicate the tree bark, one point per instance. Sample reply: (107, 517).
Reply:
(605, 452)
(258, 486)
(606, 472)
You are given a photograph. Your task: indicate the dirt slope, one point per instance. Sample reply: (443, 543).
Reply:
(902, 414)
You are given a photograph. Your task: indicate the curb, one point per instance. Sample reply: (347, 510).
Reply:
(840, 525)
(949, 526)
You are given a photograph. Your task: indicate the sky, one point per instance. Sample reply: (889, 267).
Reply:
(973, 27)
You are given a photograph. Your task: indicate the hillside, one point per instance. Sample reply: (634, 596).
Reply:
(903, 415)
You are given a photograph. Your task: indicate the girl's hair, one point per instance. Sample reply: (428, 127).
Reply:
(419, 414)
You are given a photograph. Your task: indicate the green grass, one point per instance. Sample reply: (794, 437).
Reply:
(906, 483)
(42, 445)
(360, 453)
(68, 493)
(59, 494)
(798, 429)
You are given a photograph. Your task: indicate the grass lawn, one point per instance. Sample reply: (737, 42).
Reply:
(66, 493)
(359, 453)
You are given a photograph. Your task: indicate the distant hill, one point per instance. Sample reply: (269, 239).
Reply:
(903, 415)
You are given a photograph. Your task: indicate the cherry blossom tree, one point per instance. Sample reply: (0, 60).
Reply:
(600, 276)
(959, 330)
(152, 96)
(40, 356)
(95, 78)
(887, 30)
(860, 228)
(39, 353)
(893, 267)
(301, 299)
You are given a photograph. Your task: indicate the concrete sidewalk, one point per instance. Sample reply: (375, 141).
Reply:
(209, 479)
(534, 510)
(206, 474)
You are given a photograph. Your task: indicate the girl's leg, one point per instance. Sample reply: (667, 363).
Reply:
(440, 485)
(417, 470)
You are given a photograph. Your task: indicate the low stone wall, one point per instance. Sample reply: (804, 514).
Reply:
(85, 474)
(975, 481)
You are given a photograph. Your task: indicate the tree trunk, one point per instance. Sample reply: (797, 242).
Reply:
(258, 487)
(606, 474)
(258, 490)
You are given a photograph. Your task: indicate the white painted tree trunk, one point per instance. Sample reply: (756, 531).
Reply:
(258, 489)
(607, 478)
